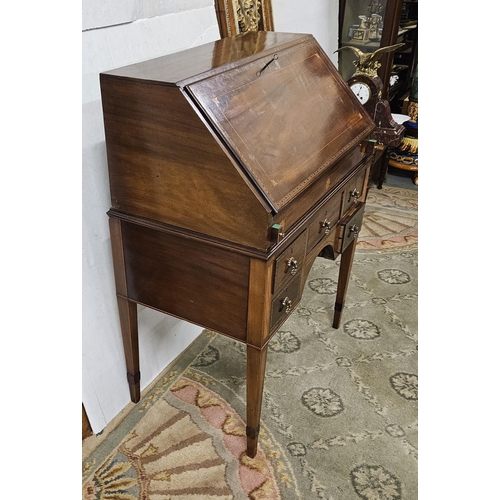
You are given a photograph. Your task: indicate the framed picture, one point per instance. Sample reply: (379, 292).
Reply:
(240, 16)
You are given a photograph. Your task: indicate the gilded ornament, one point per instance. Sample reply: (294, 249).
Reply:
(368, 63)
(247, 15)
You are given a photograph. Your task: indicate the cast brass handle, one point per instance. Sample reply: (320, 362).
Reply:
(355, 194)
(327, 225)
(354, 229)
(287, 304)
(292, 264)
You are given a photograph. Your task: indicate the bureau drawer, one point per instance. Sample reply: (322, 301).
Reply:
(323, 222)
(349, 228)
(354, 192)
(284, 301)
(290, 262)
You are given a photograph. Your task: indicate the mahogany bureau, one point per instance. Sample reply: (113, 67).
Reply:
(232, 166)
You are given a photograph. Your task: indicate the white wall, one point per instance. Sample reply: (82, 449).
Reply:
(318, 17)
(117, 33)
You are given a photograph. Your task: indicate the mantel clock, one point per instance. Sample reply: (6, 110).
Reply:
(367, 87)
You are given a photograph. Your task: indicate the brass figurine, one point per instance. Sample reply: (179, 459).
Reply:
(368, 63)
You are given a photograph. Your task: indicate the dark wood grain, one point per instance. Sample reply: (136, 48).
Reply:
(256, 367)
(180, 67)
(193, 281)
(161, 154)
(259, 301)
(324, 222)
(280, 116)
(126, 310)
(349, 228)
(115, 231)
(344, 274)
(284, 270)
(285, 301)
(355, 192)
(130, 336)
(324, 187)
(205, 156)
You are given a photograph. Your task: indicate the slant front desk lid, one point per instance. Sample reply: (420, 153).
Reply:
(275, 100)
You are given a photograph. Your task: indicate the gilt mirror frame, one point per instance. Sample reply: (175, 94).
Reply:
(239, 16)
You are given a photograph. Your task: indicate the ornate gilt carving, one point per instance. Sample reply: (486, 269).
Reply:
(247, 14)
(240, 16)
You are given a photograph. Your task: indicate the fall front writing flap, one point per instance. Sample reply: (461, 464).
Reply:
(286, 117)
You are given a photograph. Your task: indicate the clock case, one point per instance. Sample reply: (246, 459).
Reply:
(387, 132)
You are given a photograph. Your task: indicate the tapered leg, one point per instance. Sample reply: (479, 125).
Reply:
(256, 367)
(128, 321)
(344, 275)
(127, 311)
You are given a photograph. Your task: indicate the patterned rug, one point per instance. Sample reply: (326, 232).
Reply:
(339, 416)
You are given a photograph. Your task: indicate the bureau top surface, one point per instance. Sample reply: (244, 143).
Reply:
(176, 68)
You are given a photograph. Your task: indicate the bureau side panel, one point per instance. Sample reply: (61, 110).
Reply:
(191, 280)
(164, 164)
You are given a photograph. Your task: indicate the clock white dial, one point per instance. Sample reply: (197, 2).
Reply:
(361, 91)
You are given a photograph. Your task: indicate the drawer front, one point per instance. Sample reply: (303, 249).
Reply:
(284, 302)
(353, 192)
(290, 262)
(325, 184)
(349, 228)
(323, 222)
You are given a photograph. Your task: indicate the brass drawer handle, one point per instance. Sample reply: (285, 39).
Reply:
(327, 225)
(354, 194)
(287, 304)
(354, 230)
(293, 265)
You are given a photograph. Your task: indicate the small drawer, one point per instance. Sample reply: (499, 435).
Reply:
(353, 192)
(290, 262)
(284, 302)
(324, 221)
(349, 228)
